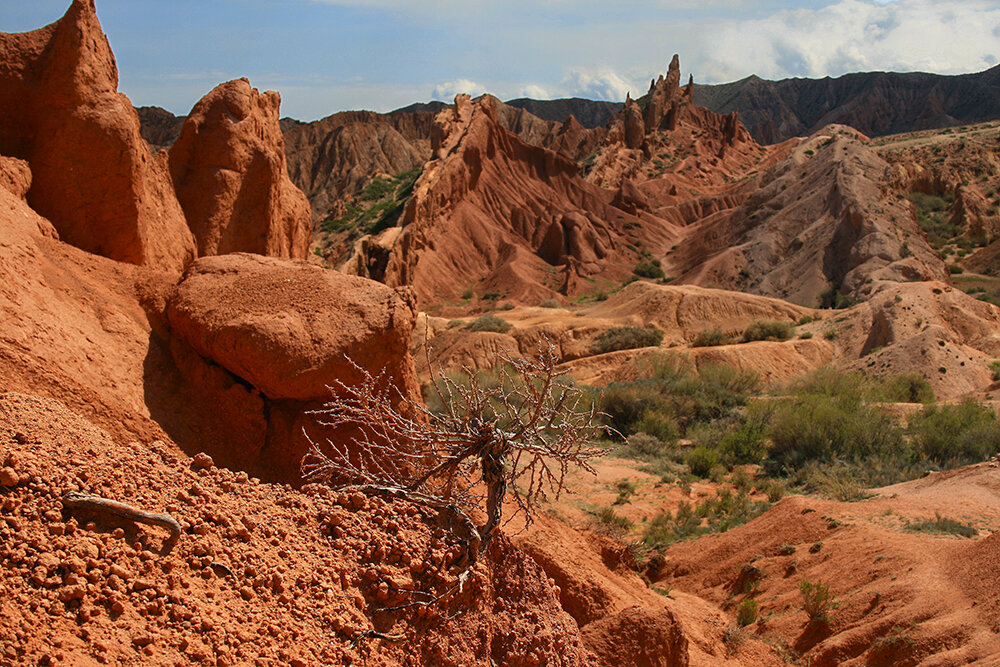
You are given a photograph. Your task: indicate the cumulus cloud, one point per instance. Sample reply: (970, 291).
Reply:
(944, 36)
(596, 84)
(447, 90)
(535, 92)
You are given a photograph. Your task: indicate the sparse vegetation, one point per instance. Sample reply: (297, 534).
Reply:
(817, 601)
(489, 322)
(377, 207)
(944, 526)
(746, 613)
(626, 338)
(649, 268)
(710, 338)
(768, 330)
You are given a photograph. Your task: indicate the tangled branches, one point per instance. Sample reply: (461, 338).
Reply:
(516, 434)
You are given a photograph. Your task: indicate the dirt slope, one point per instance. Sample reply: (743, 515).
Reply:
(902, 597)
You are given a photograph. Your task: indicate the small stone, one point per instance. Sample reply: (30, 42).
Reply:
(202, 460)
(9, 477)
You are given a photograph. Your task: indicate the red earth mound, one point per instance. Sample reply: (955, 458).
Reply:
(260, 572)
(898, 596)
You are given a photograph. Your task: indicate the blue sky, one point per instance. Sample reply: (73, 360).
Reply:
(325, 56)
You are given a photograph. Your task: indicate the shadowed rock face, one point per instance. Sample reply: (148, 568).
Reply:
(875, 103)
(228, 166)
(92, 174)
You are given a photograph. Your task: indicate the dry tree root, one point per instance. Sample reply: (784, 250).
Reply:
(82, 501)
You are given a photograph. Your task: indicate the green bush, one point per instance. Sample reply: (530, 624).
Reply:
(649, 269)
(820, 428)
(817, 601)
(768, 330)
(701, 460)
(710, 338)
(645, 446)
(548, 303)
(746, 613)
(907, 388)
(954, 435)
(995, 369)
(626, 338)
(489, 322)
(659, 424)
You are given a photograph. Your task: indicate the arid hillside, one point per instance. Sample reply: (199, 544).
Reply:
(467, 387)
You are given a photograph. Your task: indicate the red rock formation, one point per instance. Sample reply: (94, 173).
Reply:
(228, 166)
(334, 158)
(822, 219)
(495, 213)
(92, 174)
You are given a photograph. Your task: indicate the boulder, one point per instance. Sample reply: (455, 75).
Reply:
(228, 167)
(289, 328)
(92, 175)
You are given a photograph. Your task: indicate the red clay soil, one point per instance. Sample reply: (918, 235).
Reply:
(261, 572)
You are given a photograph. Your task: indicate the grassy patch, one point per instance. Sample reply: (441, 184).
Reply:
(943, 526)
(489, 322)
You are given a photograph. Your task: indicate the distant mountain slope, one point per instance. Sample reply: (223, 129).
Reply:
(875, 103)
(589, 113)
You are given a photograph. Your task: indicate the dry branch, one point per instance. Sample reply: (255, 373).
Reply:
(527, 426)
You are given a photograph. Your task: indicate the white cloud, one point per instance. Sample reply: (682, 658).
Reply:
(446, 90)
(943, 36)
(598, 84)
(535, 92)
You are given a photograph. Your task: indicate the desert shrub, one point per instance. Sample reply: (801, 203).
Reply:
(625, 404)
(838, 481)
(492, 295)
(746, 613)
(489, 322)
(806, 335)
(995, 369)
(645, 446)
(943, 525)
(805, 319)
(548, 303)
(955, 269)
(907, 388)
(953, 435)
(767, 330)
(611, 522)
(649, 269)
(660, 424)
(774, 490)
(701, 460)
(817, 601)
(710, 338)
(748, 442)
(821, 428)
(626, 338)
(626, 488)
